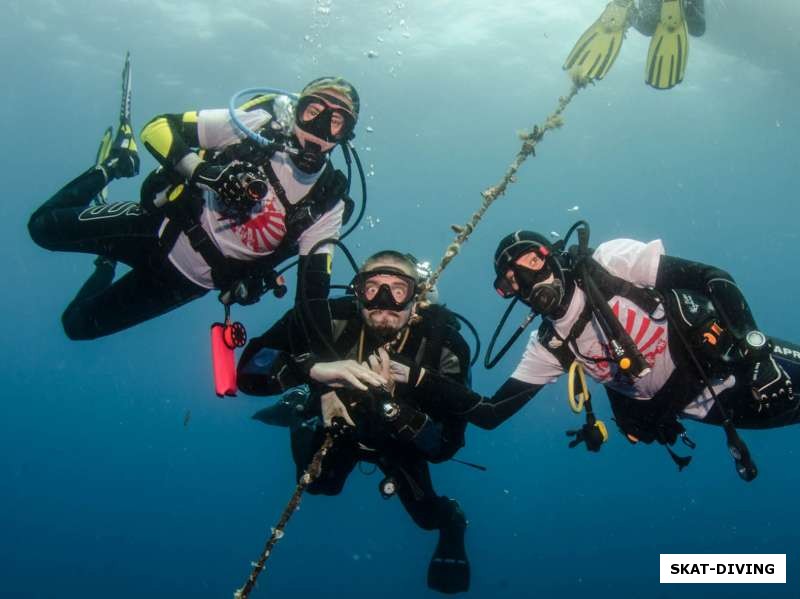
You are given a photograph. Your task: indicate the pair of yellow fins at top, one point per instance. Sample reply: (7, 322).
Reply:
(598, 47)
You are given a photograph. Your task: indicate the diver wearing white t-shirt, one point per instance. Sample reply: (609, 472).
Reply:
(221, 213)
(668, 338)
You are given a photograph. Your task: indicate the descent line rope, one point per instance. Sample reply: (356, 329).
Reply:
(309, 476)
(530, 139)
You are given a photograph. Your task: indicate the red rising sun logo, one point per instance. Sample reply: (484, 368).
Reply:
(263, 232)
(647, 335)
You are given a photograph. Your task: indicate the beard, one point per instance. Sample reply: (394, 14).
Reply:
(385, 324)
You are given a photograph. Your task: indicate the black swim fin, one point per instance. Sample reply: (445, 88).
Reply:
(449, 570)
(288, 411)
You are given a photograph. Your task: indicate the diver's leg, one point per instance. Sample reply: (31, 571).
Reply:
(449, 570)
(695, 15)
(646, 18)
(66, 222)
(337, 465)
(102, 308)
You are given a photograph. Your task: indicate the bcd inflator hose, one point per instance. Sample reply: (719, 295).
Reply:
(259, 139)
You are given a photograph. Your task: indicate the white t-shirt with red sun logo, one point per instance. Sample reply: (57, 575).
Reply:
(261, 233)
(637, 263)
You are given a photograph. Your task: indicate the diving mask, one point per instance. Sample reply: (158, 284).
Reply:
(385, 288)
(326, 117)
(540, 289)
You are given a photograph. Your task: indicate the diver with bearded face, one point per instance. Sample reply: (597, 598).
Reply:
(357, 391)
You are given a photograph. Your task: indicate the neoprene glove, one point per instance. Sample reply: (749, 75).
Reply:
(770, 383)
(589, 434)
(228, 181)
(245, 292)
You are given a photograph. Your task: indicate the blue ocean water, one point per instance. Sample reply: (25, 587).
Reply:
(105, 492)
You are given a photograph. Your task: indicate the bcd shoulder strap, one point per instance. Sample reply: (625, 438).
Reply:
(326, 192)
(560, 347)
(610, 285)
(438, 322)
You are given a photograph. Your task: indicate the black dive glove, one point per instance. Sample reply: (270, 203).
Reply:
(238, 185)
(244, 292)
(770, 383)
(591, 434)
(248, 290)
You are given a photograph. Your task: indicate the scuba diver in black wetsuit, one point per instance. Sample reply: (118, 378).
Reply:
(396, 428)
(221, 213)
(669, 339)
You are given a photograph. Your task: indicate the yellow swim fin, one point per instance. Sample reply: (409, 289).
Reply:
(669, 48)
(598, 47)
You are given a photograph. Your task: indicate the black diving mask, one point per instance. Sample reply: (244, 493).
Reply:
(385, 289)
(326, 117)
(525, 278)
(533, 288)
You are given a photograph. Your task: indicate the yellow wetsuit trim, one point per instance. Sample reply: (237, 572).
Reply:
(158, 135)
(190, 117)
(256, 101)
(175, 192)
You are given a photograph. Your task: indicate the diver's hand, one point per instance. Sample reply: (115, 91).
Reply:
(380, 363)
(591, 434)
(245, 292)
(346, 373)
(228, 181)
(770, 383)
(396, 368)
(334, 411)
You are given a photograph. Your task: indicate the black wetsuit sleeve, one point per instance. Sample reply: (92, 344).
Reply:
(481, 411)
(312, 322)
(437, 434)
(717, 284)
(316, 276)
